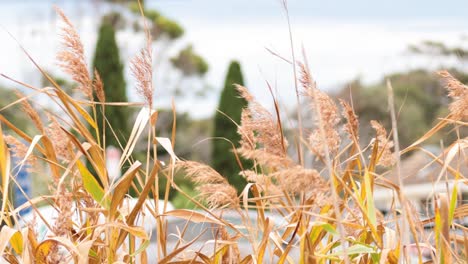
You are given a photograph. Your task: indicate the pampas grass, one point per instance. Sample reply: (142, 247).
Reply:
(287, 213)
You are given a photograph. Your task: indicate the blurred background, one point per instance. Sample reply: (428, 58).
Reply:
(202, 47)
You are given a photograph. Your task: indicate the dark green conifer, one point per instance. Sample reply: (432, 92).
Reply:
(230, 105)
(107, 62)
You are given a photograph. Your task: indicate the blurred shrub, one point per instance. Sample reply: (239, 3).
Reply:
(225, 120)
(190, 63)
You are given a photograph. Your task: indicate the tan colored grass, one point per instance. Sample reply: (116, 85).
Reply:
(311, 207)
(352, 122)
(142, 70)
(99, 87)
(218, 195)
(19, 150)
(329, 117)
(31, 112)
(261, 138)
(72, 59)
(299, 180)
(459, 93)
(264, 182)
(213, 188)
(60, 140)
(387, 158)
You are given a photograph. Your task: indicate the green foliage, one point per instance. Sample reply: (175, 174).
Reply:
(65, 84)
(189, 62)
(169, 27)
(151, 14)
(430, 47)
(161, 25)
(134, 7)
(230, 107)
(168, 30)
(108, 64)
(419, 97)
(7, 96)
(180, 201)
(115, 19)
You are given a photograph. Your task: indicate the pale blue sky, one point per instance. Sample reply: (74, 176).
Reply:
(343, 39)
(332, 9)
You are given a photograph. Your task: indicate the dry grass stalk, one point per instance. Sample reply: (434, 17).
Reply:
(324, 107)
(316, 141)
(444, 237)
(299, 180)
(252, 176)
(262, 157)
(89, 203)
(218, 195)
(201, 173)
(459, 93)
(352, 122)
(248, 141)
(213, 187)
(387, 158)
(31, 112)
(233, 254)
(60, 140)
(99, 87)
(261, 141)
(263, 182)
(329, 117)
(19, 150)
(72, 59)
(258, 127)
(63, 223)
(143, 72)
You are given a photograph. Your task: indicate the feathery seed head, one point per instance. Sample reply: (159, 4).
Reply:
(352, 122)
(386, 156)
(143, 72)
(459, 93)
(71, 59)
(213, 187)
(297, 179)
(259, 127)
(19, 150)
(326, 117)
(218, 195)
(99, 87)
(59, 139)
(32, 113)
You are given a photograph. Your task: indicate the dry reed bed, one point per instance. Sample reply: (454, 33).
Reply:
(329, 211)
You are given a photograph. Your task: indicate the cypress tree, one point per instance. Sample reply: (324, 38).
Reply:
(231, 105)
(107, 62)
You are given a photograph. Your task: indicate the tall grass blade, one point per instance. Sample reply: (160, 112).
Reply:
(12, 236)
(92, 186)
(141, 121)
(122, 187)
(5, 171)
